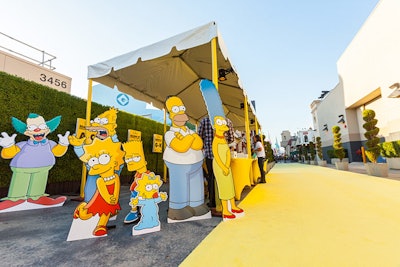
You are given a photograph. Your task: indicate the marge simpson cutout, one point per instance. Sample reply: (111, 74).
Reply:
(103, 126)
(184, 159)
(148, 198)
(222, 170)
(31, 161)
(221, 151)
(103, 157)
(135, 162)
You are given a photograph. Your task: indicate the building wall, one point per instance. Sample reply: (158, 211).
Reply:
(366, 70)
(370, 65)
(32, 72)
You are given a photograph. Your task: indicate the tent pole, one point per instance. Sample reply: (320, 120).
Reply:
(247, 127)
(165, 130)
(214, 62)
(87, 123)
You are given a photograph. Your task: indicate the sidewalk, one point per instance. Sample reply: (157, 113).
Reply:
(359, 167)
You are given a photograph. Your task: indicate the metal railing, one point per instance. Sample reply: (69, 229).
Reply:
(46, 58)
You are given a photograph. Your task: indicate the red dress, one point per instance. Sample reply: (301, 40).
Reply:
(98, 205)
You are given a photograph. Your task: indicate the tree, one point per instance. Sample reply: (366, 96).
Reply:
(373, 149)
(337, 143)
(312, 150)
(319, 148)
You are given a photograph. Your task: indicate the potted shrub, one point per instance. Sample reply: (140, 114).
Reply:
(305, 154)
(311, 147)
(339, 150)
(373, 150)
(321, 161)
(300, 153)
(391, 151)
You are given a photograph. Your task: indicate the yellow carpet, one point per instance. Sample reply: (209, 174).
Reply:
(309, 216)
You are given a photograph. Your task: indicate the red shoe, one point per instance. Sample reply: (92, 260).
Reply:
(6, 204)
(237, 211)
(231, 216)
(100, 230)
(47, 201)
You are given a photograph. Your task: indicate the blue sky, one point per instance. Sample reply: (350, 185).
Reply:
(285, 51)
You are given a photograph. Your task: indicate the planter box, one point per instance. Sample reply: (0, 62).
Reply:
(322, 163)
(394, 163)
(343, 166)
(377, 169)
(334, 160)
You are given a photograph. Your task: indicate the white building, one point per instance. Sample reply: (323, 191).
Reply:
(369, 78)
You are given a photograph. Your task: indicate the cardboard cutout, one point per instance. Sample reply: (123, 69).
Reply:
(184, 158)
(104, 158)
(135, 161)
(221, 152)
(30, 163)
(102, 127)
(148, 198)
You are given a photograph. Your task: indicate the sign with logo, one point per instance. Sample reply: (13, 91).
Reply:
(157, 143)
(134, 135)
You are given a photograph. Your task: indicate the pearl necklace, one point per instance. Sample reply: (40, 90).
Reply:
(106, 179)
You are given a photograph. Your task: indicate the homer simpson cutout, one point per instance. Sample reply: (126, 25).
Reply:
(184, 158)
(31, 162)
(135, 161)
(148, 198)
(103, 157)
(221, 152)
(103, 126)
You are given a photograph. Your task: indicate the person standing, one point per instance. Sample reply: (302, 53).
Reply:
(206, 133)
(260, 152)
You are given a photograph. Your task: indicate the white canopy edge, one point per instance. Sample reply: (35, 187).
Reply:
(192, 38)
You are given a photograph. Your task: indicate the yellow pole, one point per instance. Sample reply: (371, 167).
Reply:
(363, 154)
(247, 127)
(165, 130)
(258, 130)
(214, 65)
(87, 123)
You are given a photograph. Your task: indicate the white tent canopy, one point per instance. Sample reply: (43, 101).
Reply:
(175, 66)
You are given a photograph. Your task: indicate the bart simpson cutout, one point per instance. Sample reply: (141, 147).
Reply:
(104, 158)
(104, 125)
(184, 159)
(31, 162)
(221, 152)
(135, 161)
(148, 198)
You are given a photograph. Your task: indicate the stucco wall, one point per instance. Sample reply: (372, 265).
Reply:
(32, 72)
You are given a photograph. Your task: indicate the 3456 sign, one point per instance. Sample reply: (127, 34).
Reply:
(53, 81)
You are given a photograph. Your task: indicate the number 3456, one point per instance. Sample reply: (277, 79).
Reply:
(51, 80)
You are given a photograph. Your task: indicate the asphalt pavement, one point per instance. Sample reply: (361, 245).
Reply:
(39, 238)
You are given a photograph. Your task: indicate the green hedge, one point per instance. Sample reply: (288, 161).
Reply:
(20, 97)
(390, 149)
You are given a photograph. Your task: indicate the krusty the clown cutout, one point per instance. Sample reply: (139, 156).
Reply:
(221, 152)
(184, 158)
(30, 163)
(148, 198)
(104, 158)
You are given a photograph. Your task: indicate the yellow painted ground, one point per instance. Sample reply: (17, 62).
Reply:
(309, 216)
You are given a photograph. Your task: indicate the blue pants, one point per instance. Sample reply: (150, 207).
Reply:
(186, 185)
